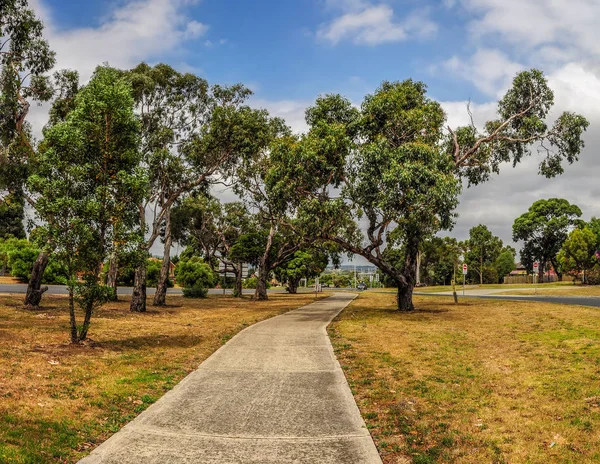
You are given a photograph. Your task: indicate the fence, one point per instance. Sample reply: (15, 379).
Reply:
(528, 279)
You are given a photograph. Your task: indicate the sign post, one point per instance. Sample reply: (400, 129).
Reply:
(465, 270)
(535, 273)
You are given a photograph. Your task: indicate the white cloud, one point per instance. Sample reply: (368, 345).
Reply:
(375, 24)
(138, 30)
(491, 71)
(292, 111)
(534, 25)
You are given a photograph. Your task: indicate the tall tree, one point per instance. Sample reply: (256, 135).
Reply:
(192, 136)
(543, 229)
(398, 169)
(87, 174)
(25, 57)
(483, 248)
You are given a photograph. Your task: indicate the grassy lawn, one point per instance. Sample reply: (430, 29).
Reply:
(480, 382)
(58, 402)
(571, 290)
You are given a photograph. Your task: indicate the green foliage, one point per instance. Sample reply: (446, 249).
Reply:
(543, 229)
(195, 292)
(11, 216)
(21, 258)
(194, 273)
(505, 262)
(303, 264)
(482, 250)
(521, 124)
(578, 251)
(24, 58)
(87, 184)
(439, 259)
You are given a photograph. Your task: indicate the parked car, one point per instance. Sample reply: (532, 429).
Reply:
(361, 286)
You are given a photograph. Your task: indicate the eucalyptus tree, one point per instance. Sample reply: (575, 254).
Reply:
(87, 178)
(65, 88)
(25, 58)
(304, 264)
(483, 248)
(394, 166)
(210, 228)
(285, 226)
(193, 136)
(543, 230)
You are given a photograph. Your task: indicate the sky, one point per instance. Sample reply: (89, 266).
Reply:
(290, 51)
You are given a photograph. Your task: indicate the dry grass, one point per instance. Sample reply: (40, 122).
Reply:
(481, 382)
(448, 288)
(571, 290)
(57, 401)
(9, 280)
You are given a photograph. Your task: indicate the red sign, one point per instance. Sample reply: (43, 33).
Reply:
(465, 268)
(535, 266)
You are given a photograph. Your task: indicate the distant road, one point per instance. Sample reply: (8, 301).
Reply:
(568, 300)
(62, 290)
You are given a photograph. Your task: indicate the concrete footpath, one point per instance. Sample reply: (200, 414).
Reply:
(273, 394)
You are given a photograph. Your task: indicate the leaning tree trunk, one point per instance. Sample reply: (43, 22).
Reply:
(73, 322)
(34, 288)
(138, 298)
(261, 283)
(111, 278)
(238, 290)
(160, 297)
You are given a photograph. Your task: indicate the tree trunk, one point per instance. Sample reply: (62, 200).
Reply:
(292, 286)
(405, 298)
(261, 283)
(160, 297)
(405, 291)
(72, 317)
(111, 278)
(481, 271)
(34, 288)
(138, 298)
(238, 290)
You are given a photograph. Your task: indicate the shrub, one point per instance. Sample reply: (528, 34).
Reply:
(195, 292)
(250, 282)
(21, 256)
(196, 277)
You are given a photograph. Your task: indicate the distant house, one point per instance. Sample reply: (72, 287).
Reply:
(520, 270)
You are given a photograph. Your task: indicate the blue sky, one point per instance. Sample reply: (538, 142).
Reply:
(290, 51)
(274, 46)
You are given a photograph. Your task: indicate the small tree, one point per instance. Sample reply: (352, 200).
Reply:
(505, 262)
(85, 177)
(578, 252)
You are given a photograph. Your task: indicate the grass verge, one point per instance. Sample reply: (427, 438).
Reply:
(571, 290)
(57, 402)
(482, 381)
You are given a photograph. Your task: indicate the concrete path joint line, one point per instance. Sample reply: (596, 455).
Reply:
(275, 393)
